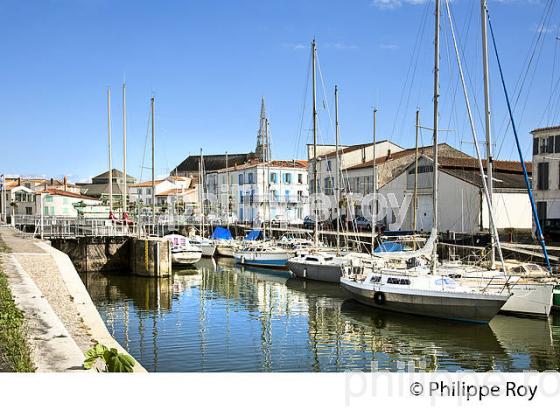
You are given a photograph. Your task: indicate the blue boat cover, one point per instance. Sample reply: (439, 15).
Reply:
(388, 246)
(221, 233)
(253, 235)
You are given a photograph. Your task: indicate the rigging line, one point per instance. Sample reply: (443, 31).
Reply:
(415, 51)
(302, 117)
(527, 183)
(475, 138)
(539, 45)
(518, 89)
(145, 144)
(325, 100)
(553, 84)
(414, 70)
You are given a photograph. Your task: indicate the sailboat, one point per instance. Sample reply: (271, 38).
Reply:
(532, 290)
(207, 246)
(418, 289)
(315, 262)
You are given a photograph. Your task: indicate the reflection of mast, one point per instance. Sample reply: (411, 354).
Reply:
(202, 316)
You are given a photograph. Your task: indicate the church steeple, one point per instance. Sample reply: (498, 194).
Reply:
(263, 142)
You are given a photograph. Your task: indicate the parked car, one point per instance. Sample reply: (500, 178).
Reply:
(309, 222)
(361, 223)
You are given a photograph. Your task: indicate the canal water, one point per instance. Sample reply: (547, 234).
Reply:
(219, 317)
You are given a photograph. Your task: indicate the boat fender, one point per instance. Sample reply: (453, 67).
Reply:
(379, 298)
(243, 260)
(305, 272)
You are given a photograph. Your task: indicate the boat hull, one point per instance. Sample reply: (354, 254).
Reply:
(323, 273)
(185, 258)
(225, 250)
(268, 259)
(468, 309)
(208, 250)
(530, 300)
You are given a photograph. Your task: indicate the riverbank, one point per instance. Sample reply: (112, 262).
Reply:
(61, 319)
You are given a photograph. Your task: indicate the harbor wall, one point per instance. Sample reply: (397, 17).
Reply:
(150, 257)
(141, 256)
(106, 254)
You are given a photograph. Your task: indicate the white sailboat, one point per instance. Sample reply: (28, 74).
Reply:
(419, 288)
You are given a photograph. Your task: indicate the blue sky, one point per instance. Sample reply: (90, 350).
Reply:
(209, 62)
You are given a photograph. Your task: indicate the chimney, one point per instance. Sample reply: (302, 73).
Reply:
(65, 183)
(19, 181)
(388, 154)
(52, 182)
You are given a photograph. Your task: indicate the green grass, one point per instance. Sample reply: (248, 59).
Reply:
(14, 349)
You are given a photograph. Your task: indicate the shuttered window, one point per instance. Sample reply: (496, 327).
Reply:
(535, 146)
(542, 176)
(541, 211)
(550, 145)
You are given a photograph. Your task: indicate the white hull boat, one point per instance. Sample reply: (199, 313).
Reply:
(261, 255)
(182, 251)
(424, 294)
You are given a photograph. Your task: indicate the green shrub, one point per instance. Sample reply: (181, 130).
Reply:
(115, 362)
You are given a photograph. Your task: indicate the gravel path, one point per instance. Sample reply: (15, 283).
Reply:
(44, 272)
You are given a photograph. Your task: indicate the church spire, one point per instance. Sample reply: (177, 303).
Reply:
(263, 142)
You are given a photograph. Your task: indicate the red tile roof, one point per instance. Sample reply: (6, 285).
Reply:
(59, 192)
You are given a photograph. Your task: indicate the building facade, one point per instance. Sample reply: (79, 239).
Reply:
(259, 191)
(546, 177)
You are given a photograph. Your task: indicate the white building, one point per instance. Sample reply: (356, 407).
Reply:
(546, 177)
(141, 193)
(57, 202)
(259, 191)
(349, 156)
(461, 201)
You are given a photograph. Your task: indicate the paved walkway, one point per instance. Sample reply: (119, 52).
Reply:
(55, 302)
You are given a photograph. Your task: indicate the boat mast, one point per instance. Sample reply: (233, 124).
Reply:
(152, 102)
(489, 158)
(337, 171)
(435, 147)
(315, 181)
(124, 205)
(110, 156)
(415, 197)
(227, 190)
(201, 183)
(374, 176)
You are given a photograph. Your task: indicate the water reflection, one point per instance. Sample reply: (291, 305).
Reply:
(223, 317)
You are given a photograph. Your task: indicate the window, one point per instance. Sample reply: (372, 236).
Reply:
(535, 146)
(556, 144)
(28, 210)
(288, 178)
(241, 197)
(240, 179)
(541, 211)
(398, 281)
(542, 145)
(422, 169)
(300, 178)
(287, 195)
(250, 177)
(550, 145)
(329, 166)
(376, 279)
(273, 177)
(542, 176)
(328, 186)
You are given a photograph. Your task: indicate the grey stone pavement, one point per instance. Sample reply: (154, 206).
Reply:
(41, 267)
